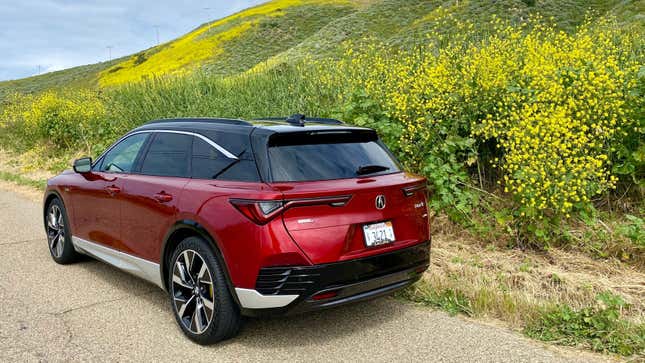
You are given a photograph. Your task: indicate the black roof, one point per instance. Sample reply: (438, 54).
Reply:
(248, 139)
(268, 124)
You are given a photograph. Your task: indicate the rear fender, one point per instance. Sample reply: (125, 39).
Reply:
(198, 229)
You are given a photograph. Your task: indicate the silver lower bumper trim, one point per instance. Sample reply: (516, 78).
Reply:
(137, 266)
(251, 299)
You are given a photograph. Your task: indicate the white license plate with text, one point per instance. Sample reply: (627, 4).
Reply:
(378, 233)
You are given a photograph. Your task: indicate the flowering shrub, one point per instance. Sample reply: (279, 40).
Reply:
(546, 109)
(558, 114)
(63, 121)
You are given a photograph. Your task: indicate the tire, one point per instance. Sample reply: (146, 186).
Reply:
(59, 236)
(197, 294)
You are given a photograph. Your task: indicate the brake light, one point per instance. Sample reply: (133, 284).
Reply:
(411, 190)
(262, 211)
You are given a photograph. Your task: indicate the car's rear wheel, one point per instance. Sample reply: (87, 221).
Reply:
(59, 238)
(200, 299)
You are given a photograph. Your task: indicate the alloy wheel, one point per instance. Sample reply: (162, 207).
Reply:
(55, 231)
(192, 291)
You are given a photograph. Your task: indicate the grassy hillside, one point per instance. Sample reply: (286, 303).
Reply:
(288, 30)
(82, 76)
(226, 46)
(232, 44)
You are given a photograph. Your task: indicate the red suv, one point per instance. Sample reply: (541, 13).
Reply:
(239, 218)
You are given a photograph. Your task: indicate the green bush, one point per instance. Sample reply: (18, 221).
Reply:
(600, 327)
(69, 120)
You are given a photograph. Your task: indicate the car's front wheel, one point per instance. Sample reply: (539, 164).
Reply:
(201, 301)
(59, 237)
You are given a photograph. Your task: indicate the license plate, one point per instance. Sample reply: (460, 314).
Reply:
(378, 233)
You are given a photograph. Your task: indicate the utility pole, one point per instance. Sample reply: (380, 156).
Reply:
(109, 48)
(157, 32)
(39, 69)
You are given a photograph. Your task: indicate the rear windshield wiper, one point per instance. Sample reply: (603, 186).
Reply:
(369, 169)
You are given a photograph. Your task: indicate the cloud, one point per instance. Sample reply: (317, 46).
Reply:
(58, 34)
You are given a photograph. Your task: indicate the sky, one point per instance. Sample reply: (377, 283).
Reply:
(52, 35)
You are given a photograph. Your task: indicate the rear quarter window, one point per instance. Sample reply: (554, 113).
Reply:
(209, 163)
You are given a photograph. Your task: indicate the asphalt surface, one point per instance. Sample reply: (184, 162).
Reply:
(92, 312)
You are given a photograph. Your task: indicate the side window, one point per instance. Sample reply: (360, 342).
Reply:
(168, 155)
(209, 163)
(122, 156)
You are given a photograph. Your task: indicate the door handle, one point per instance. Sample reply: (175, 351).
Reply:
(163, 197)
(113, 189)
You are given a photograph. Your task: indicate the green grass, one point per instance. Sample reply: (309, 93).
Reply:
(21, 180)
(82, 76)
(272, 36)
(600, 327)
(453, 301)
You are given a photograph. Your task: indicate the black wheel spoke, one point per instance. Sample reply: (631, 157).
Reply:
(180, 277)
(185, 305)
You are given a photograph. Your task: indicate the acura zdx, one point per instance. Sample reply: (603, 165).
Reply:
(236, 218)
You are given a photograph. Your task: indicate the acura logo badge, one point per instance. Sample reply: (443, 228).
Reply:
(380, 202)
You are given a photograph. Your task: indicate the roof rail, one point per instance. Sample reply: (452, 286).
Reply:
(224, 121)
(300, 120)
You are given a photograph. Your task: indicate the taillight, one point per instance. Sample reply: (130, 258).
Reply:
(411, 190)
(259, 211)
(262, 211)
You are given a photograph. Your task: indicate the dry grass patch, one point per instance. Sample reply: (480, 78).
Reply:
(510, 284)
(30, 165)
(522, 287)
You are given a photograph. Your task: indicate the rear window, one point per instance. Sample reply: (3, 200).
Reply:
(328, 155)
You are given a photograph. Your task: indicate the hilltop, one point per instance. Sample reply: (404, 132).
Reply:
(285, 30)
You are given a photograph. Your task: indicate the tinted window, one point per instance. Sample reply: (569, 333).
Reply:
(209, 163)
(168, 155)
(325, 157)
(121, 158)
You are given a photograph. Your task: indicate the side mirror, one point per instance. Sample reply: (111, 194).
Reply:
(83, 165)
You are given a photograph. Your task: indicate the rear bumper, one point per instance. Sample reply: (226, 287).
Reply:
(287, 290)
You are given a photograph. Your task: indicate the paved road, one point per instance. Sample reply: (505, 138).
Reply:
(90, 311)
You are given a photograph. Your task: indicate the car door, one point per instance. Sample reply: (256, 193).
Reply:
(97, 199)
(151, 195)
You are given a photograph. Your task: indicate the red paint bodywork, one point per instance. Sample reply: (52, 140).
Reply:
(133, 214)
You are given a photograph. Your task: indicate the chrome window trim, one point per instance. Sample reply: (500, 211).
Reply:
(212, 143)
(134, 265)
(252, 299)
(206, 139)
